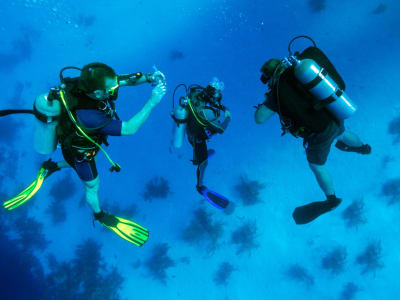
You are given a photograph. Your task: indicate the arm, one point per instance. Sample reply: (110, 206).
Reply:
(228, 117)
(221, 127)
(139, 78)
(130, 127)
(134, 79)
(263, 113)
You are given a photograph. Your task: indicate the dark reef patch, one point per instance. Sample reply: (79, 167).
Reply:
(353, 215)
(298, 273)
(249, 190)
(317, 5)
(370, 258)
(203, 230)
(391, 190)
(223, 274)
(244, 237)
(159, 263)
(335, 261)
(157, 187)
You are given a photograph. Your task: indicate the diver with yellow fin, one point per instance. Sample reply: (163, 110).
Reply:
(307, 93)
(79, 115)
(200, 114)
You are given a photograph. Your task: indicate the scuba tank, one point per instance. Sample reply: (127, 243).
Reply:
(46, 111)
(179, 114)
(320, 84)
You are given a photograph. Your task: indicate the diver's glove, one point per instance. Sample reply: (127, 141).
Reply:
(124, 228)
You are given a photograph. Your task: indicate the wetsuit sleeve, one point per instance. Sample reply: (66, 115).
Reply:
(270, 101)
(91, 118)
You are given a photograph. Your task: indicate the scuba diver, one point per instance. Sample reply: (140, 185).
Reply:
(79, 115)
(308, 94)
(200, 114)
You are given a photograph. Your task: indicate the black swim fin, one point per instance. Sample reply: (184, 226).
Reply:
(309, 212)
(214, 198)
(363, 149)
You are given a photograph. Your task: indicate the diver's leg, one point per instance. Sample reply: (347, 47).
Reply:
(201, 158)
(92, 194)
(201, 168)
(350, 142)
(324, 178)
(63, 164)
(350, 139)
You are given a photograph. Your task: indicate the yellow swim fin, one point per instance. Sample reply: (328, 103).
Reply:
(124, 228)
(47, 168)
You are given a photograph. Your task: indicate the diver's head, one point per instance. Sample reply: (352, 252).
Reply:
(268, 69)
(98, 81)
(212, 93)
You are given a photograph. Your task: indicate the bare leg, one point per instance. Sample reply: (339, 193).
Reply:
(63, 164)
(324, 178)
(350, 139)
(92, 193)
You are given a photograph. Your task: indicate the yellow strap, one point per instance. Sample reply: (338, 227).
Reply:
(195, 115)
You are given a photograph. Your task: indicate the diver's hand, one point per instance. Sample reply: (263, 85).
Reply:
(227, 114)
(158, 92)
(157, 76)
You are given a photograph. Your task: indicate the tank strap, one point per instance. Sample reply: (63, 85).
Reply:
(315, 81)
(43, 117)
(179, 121)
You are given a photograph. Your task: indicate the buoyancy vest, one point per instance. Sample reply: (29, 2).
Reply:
(202, 120)
(68, 135)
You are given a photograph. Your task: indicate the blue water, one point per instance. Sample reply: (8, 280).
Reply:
(49, 248)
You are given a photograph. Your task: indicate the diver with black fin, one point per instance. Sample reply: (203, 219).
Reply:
(79, 115)
(308, 94)
(200, 114)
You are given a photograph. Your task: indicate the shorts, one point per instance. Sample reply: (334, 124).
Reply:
(319, 145)
(86, 169)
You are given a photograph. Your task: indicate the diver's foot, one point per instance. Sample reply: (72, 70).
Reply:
(309, 212)
(201, 189)
(124, 228)
(363, 149)
(50, 166)
(332, 202)
(214, 198)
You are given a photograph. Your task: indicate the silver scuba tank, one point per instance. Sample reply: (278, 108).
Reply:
(179, 114)
(47, 113)
(322, 86)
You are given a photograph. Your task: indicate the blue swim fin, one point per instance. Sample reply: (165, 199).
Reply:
(214, 198)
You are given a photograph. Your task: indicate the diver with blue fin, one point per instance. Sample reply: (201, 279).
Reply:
(308, 94)
(79, 115)
(200, 114)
